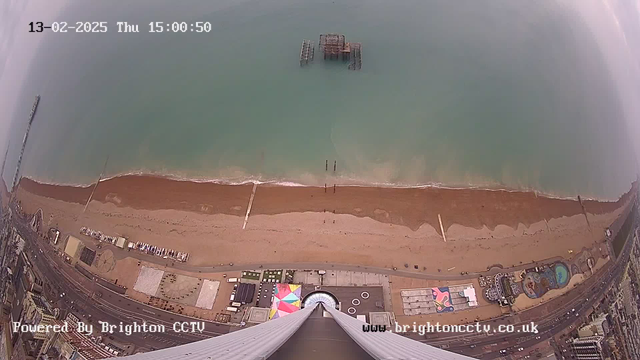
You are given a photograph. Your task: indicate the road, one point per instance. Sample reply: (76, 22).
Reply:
(565, 311)
(487, 346)
(111, 307)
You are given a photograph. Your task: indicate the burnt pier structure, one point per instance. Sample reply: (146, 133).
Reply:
(333, 47)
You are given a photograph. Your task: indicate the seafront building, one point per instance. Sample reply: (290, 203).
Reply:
(588, 348)
(37, 312)
(596, 327)
(73, 345)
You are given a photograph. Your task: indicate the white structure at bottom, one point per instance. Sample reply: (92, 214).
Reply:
(263, 340)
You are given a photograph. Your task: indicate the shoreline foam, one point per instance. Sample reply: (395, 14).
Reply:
(346, 182)
(408, 206)
(317, 237)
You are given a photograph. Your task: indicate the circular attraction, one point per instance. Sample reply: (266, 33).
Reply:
(562, 275)
(555, 276)
(320, 297)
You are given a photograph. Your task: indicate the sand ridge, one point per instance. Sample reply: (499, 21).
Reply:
(410, 207)
(309, 236)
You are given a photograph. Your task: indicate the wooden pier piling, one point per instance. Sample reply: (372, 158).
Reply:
(333, 47)
(307, 51)
(356, 56)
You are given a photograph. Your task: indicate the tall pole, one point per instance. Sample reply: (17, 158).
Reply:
(4, 162)
(24, 141)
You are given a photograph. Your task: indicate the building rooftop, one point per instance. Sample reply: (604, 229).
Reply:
(258, 315)
(245, 292)
(40, 304)
(362, 300)
(85, 346)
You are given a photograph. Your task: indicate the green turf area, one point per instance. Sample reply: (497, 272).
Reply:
(288, 276)
(251, 275)
(272, 276)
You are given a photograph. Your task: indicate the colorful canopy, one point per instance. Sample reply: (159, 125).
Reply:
(286, 300)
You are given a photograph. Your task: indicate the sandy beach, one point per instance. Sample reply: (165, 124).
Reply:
(381, 227)
(409, 207)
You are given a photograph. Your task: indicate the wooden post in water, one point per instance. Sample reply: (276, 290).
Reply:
(326, 165)
(334, 165)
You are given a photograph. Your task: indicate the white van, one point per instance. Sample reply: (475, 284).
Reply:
(232, 309)
(232, 280)
(56, 237)
(236, 304)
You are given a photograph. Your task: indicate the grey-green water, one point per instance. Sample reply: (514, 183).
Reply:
(496, 93)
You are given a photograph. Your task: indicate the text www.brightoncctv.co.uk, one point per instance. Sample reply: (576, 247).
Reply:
(428, 327)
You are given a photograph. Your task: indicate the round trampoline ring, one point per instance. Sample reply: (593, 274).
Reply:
(364, 295)
(351, 310)
(355, 302)
(320, 296)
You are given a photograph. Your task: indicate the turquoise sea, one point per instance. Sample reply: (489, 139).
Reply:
(495, 93)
